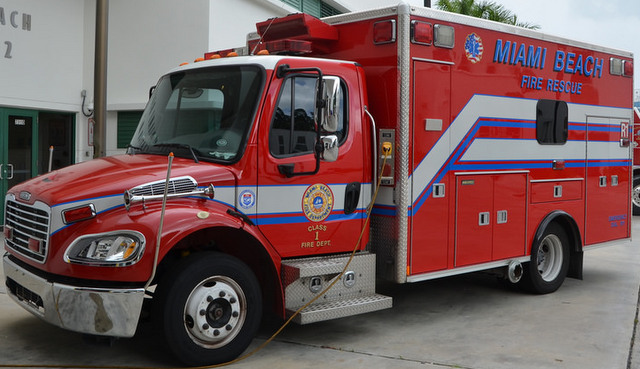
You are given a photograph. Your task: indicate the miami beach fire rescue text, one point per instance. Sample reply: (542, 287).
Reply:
(497, 148)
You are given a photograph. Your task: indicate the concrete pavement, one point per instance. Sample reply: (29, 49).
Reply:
(469, 321)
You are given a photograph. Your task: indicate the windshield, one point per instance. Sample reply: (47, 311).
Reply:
(203, 114)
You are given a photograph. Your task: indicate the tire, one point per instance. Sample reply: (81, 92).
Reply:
(549, 263)
(635, 195)
(208, 308)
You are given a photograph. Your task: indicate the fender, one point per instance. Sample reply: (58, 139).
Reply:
(573, 232)
(187, 226)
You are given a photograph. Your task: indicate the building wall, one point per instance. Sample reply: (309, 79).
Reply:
(51, 61)
(42, 67)
(146, 39)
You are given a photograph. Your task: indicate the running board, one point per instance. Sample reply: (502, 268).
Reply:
(341, 309)
(305, 278)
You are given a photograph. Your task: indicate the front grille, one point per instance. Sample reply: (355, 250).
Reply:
(30, 229)
(176, 186)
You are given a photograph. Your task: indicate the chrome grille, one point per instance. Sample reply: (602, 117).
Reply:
(28, 222)
(176, 185)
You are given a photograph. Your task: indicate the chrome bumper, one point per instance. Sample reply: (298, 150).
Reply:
(98, 311)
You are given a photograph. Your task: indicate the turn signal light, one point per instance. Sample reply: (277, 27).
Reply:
(421, 33)
(8, 232)
(35, 245)
(384, 32)
(627, 68)
(77, 214)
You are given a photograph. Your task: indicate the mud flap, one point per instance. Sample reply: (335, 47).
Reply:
(575, 265)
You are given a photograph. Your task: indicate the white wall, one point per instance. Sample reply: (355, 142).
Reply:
(356, 5)
(45, 67)
(231, 21)
(147, 38)
(50, 64)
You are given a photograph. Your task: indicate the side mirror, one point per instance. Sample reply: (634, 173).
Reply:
(329, 148)
(333, 104)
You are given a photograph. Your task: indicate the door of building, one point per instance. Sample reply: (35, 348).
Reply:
(18, 156)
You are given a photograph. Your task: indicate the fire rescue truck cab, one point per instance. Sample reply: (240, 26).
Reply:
(249, 180)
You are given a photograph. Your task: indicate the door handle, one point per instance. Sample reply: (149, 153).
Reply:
(10, 166)
(351, 197)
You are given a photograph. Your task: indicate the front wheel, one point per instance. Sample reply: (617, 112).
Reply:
(635, 195)
(209, 308)
(549, 263)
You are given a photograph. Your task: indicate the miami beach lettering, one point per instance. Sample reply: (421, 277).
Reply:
(535, 57)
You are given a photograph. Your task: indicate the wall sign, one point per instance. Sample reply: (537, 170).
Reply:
(16, 20)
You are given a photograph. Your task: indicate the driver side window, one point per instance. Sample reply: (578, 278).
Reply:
(293, 126)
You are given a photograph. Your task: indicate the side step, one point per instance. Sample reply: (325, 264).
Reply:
(341, 309)
(355, 294)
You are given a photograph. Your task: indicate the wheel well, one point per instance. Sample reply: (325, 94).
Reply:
(570, 226)
(239, 244)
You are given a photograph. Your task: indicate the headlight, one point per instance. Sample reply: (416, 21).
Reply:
(115, 249)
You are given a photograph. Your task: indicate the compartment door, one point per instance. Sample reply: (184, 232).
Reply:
(607, 185)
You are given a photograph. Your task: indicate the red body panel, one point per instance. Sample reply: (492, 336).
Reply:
(443, 85)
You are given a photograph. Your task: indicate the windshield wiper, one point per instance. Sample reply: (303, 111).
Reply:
(180, 146)
(132, 147)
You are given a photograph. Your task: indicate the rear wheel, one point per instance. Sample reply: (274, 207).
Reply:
(549, 263)
(209, 308)
(635, 195)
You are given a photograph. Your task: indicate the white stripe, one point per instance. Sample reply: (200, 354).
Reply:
(511, 149)
(510, 108)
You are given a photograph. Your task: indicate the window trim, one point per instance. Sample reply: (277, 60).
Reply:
(542, 137)
(345, 93)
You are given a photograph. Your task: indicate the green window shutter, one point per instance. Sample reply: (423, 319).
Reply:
(311, 7)
(327, 10)
(127, 124)
(294, 3)
(317, 8)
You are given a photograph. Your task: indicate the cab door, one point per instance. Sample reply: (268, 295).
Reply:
(18, 130)
(301, 212)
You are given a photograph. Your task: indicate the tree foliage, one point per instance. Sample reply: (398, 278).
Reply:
(485, 9)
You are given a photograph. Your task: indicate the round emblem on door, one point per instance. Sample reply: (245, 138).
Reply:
(317, 202)
(247, 199)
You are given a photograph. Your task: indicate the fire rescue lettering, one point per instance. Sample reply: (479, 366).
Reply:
(535, 57)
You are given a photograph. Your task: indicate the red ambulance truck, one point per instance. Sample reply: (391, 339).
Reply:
(249, 179)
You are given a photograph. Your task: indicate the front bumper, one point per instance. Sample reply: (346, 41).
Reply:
(97, 311)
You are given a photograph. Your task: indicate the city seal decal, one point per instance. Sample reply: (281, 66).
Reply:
(317, 202)
(247, 199)
(473, 47)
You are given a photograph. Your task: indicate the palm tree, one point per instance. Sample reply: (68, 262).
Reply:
(485, 9)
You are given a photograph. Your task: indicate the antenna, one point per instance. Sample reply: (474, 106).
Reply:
(262, 36)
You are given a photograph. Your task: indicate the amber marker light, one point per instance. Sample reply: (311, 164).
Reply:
(77, 214)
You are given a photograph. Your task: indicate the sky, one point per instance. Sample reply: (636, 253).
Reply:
(611, 23)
